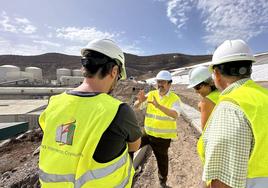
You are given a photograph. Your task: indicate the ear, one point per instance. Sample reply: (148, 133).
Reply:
(217, 74)
(114, 71)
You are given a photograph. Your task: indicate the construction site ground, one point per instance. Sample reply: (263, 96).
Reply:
(19, 157)
(185, 169)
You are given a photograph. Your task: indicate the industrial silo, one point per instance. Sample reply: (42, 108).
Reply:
(9, 72)
(37, 73)
(63, 72)
(10, 68)
(76, 72)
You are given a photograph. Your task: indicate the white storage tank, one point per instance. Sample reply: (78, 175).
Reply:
(37, 73)
(76, 72)
(10, 68)
(4, 69)
(63, 72)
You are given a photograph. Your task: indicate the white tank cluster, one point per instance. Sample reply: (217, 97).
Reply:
(9, 73)
(69, 77)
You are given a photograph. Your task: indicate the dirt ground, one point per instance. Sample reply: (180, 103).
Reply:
(187, 96)
(184, 165)
(18, 161)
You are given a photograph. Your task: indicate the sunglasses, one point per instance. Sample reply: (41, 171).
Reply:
(119, 77)
(198, 87)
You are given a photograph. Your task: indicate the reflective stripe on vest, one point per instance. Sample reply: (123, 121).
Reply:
(126, 180)
(257, 182)
(53, 178)
(160, 130)
(89, 175)
(162, 118)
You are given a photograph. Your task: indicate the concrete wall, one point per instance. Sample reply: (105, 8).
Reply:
(31, 118)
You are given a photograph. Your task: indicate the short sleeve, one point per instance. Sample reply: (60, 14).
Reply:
(127, 123)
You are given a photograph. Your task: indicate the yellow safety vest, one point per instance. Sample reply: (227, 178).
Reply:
(72, 128)
(214, 96)
(157, 123)
(253, 101)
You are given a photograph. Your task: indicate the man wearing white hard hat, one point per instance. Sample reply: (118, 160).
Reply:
(87, 132)
(163, 108)
(235, 139)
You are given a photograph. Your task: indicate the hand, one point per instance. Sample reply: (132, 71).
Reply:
(155, 103)
(141, 96)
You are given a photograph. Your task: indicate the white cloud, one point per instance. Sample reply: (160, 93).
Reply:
(132, 49)
(22, 20)
(28, 29)
(84, 34)
(232, 19)
(47, 43)
(73, 50)
(222, 20)
(5, 24)
(16, 25)
(177, 11)
(7, 47)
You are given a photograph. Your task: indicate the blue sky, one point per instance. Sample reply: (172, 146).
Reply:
(141, 27)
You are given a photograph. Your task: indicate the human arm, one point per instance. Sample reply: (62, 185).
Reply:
(170, 112)
(206, 106)
(218, 184)
(134, 146)
(123, 130)
(131, 129)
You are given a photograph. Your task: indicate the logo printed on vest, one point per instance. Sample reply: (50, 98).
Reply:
(65, 133)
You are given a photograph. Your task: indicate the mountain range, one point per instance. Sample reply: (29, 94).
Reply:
(137, 66)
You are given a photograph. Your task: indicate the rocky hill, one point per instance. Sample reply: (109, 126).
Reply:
(136, 65)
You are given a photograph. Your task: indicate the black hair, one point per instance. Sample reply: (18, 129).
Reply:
(209, 82)
(240, 69)
(97, 63)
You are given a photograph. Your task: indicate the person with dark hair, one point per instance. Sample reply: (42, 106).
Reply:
(88, 134)
(163, 107)
(234, 142)
(200, 79)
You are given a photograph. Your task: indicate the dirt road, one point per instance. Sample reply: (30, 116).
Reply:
(184, 165)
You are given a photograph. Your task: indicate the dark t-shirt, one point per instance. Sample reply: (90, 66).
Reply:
(124, 128)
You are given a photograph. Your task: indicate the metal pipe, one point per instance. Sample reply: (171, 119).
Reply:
(32, 90)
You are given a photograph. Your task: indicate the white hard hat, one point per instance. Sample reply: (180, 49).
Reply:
(198, 75)
(164, 75)
(110, 49)
(232, 50)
